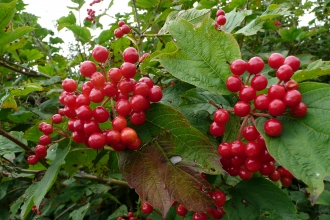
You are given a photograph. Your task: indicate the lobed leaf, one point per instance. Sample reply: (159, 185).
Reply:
(303, 145)
(7, 12)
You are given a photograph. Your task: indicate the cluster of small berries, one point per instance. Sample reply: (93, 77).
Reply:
(122, 30)
(132, 100)
(129, 216)
(35, 210)
(220, 19)
(218, 126)
(91, 15)
(279, 96)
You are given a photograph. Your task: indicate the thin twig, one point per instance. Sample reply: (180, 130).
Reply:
(65, 211)
(21, 69)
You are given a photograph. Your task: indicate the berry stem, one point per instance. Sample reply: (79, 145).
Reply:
(60, 133)
(105, 101)
(253, 121)
(59, 140)
(261, 114)
(248, 79)
(16, 141)
(113, 108)
(214, 104)
(240, 133)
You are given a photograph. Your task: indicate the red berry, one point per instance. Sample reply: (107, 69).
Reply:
(155, 94)
(293, 62)
(131, 55)
(273, 127)
(110, 89)
(275, 60)
(98, 80)
(119, 123)
(220, 12)
(261, 102)
(286, 181)
(41, 151)
(148, 81)
(96, 95)
(135, 145)
(221, 116)
(237, 148)
(224, 149)
(141, 88)
(217, 129)
(265, 156)
(90, 127)
(237, 161)
(221, 20)
(255, 65)
(242, 108)
(112, 137)
(57, 119)
(101, 114)
(118, 33)
(291, 85)
(128, 69)
(137, 118)
(79, 137)
(125, 29)
(45, 139)
(284, 73)
(82, 100)
(247, 93)
(299, 110)
(219, 197)
(147, 208)
(121, 23)
(69, 112)
(69, 85)
(199, 216)
(267, 168)
(253, 149)
(87, 68)
(292, 98)
(276, 91)
(233, 171)
(275, 176)
(32, 159)
(47, 129)
(238, 67)
(250, 133)
(234, 83)
(128, 135)
(276, 107)
(115, 75)
(139, 103)
(78, 125)
(96, 141)
(286, 172)
(100, 54)
(181, 210)
(252, 164)
(87, 88)
(84, 112)
(259, 82)
(119, 146)
(244, 173)
(261, 141)
(127, 85)
(123, 107)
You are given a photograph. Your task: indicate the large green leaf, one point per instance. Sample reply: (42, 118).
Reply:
(81, 33)
(7, 146)
(7, 37)
(192, 15)
(259, 198)
(314, 70)
(167, 168)
(303, 145)
(201, 56)
(7, 11)
(234, 18)
(66, 20)
(26, 89)
(28, 55)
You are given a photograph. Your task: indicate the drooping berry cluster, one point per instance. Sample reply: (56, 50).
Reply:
(220, 19)
(220, 118)
(91, 15)
(132, 98)
(129, 216)
(122, 30)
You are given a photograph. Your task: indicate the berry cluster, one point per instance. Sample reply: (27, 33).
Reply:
(91, 15)
(132, 100)
(94, 2)
(35, 210)
(220, 19)
(122, 30)
(129, 216)
(220, 118)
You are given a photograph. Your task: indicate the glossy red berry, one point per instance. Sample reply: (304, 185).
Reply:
(284, 73)
(155, 94)
(147, 208)
(119, 33)
(121, 23)
(125, 28)
(221, 20)
(119, 123)
(101, 114)
(128, 69)
(79, 137)
(276, 107)
(250, 133)
(244, 173)
(57, 119)
(224, 149)
(98, 80)
(299, 110)
(148, 81)
(234, 83)
(91, 126)
(220, 12)
(32, 159)
(221, 116)
(110, 89)
(41, 151)
(100, 54)
(45, 139)
(47, 129)
(286, 181)
(276, 60)
(82, 100)
(141, 88)
(259, 82)
(267, 168)
(139, 103)
(84, 112)
(247, 93)
(199, 216)
(128, 135)
(242, 108)
(181, 210)
(131, 55)
(87, 68)
(291, 85)
(261, 102)
(87, 88)
(69, 85)
(237, 148)
(293, 62)
(135, 145)
(96, 141)
(292, 98)
(126, 85)
(276, 91)
(273, 127)
(238, 67)
(115, 75)
(137, 118)
(252, 164)
(219, 197)
(217, 129)
(275, 176)
(123, 107)
(96, 95)
(253, 149)
(255, 65)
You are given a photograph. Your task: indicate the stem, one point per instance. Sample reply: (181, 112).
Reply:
(239, 137)
(214, 104)
(107, 181)
(139, 26)
(261, 115)
(16, 141)
(155, 35)
(247, 80)
(20, 69)
(65, 211)
(113, 108)
(105, 101)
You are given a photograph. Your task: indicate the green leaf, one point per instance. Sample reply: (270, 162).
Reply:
(7, 12)
(81, 33)
(232, 128)
(314, 70)
(305, 141)
(10, 36)
(9, 102)
(105, 36)
(290, 34)
(51, 174)
(259, 198)
(234, 18)
(121, 211)
(79, 2)
(26, 89)
(192, 15)
(324, 198)
(202, 55)
(167, 168)
(28, 55)
(256, 24)
(7, 146)
(21, 115)
(80, 213)
(66, 20)
(27, 198)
